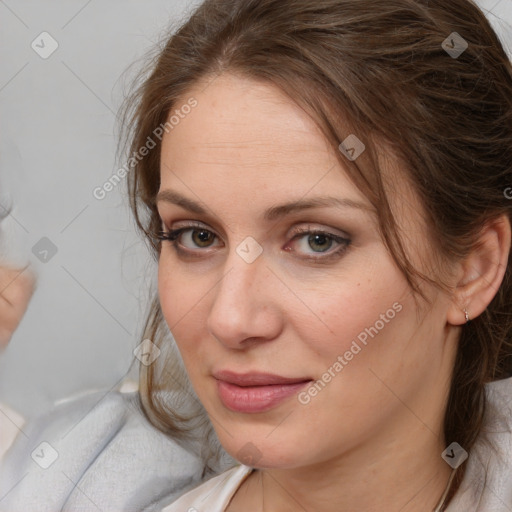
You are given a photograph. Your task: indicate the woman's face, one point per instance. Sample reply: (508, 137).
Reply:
(298, 332)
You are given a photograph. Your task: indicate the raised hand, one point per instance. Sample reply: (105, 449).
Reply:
(16, 288)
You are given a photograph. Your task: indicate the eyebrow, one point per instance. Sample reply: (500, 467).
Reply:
(274, 212)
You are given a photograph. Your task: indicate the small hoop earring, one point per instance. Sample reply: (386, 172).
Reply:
(466, 315)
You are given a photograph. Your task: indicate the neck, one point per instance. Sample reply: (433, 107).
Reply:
(392, 471)
(415, 483)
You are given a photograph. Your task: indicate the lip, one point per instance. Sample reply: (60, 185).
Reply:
(256, 392)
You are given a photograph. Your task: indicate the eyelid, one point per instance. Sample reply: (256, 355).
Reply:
(173, 221)
(319, 229)
(187, 224)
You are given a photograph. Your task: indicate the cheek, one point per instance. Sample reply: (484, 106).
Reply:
(175, 297)
(372, 343)
(359, 308)
(376, 340)
(183, 299)
(177, 291)
(167, 283)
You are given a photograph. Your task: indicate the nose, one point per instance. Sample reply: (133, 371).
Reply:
(245, 305)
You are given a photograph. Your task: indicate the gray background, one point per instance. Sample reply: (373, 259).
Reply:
(57, 143)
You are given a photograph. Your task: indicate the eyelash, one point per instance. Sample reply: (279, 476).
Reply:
(173, 235)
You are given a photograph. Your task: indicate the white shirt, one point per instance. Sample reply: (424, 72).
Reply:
(480, 490)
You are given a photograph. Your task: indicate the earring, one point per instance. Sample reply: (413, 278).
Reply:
(466, 315)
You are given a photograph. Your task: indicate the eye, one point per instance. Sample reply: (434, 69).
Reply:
(199, 237)
(320, 242)
(191, 237)
(317, 240)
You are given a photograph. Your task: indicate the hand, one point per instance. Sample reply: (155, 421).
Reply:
(16, 287)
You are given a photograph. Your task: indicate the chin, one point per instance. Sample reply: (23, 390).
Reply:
(260, 452)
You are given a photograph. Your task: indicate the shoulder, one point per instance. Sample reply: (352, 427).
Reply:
(218, 491)
(487, 483)
(99, 449)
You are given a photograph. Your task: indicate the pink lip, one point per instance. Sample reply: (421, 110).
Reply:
(255, 392)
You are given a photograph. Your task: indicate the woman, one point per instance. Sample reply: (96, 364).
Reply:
(327, 201)
(326, 188)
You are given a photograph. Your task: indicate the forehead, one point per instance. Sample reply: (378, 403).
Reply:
(248, 134)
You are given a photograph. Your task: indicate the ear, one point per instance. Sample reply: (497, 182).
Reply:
(481, 272)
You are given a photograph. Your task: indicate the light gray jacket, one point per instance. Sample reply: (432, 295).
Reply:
(97, 453)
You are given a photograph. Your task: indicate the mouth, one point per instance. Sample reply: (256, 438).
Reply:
(256, 392)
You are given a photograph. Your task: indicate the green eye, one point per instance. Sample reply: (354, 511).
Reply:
(320, 240)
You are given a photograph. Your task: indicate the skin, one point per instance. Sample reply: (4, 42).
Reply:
(16, 289)
(372, 438)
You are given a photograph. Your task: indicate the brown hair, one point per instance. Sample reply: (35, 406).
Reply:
(380, 66)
